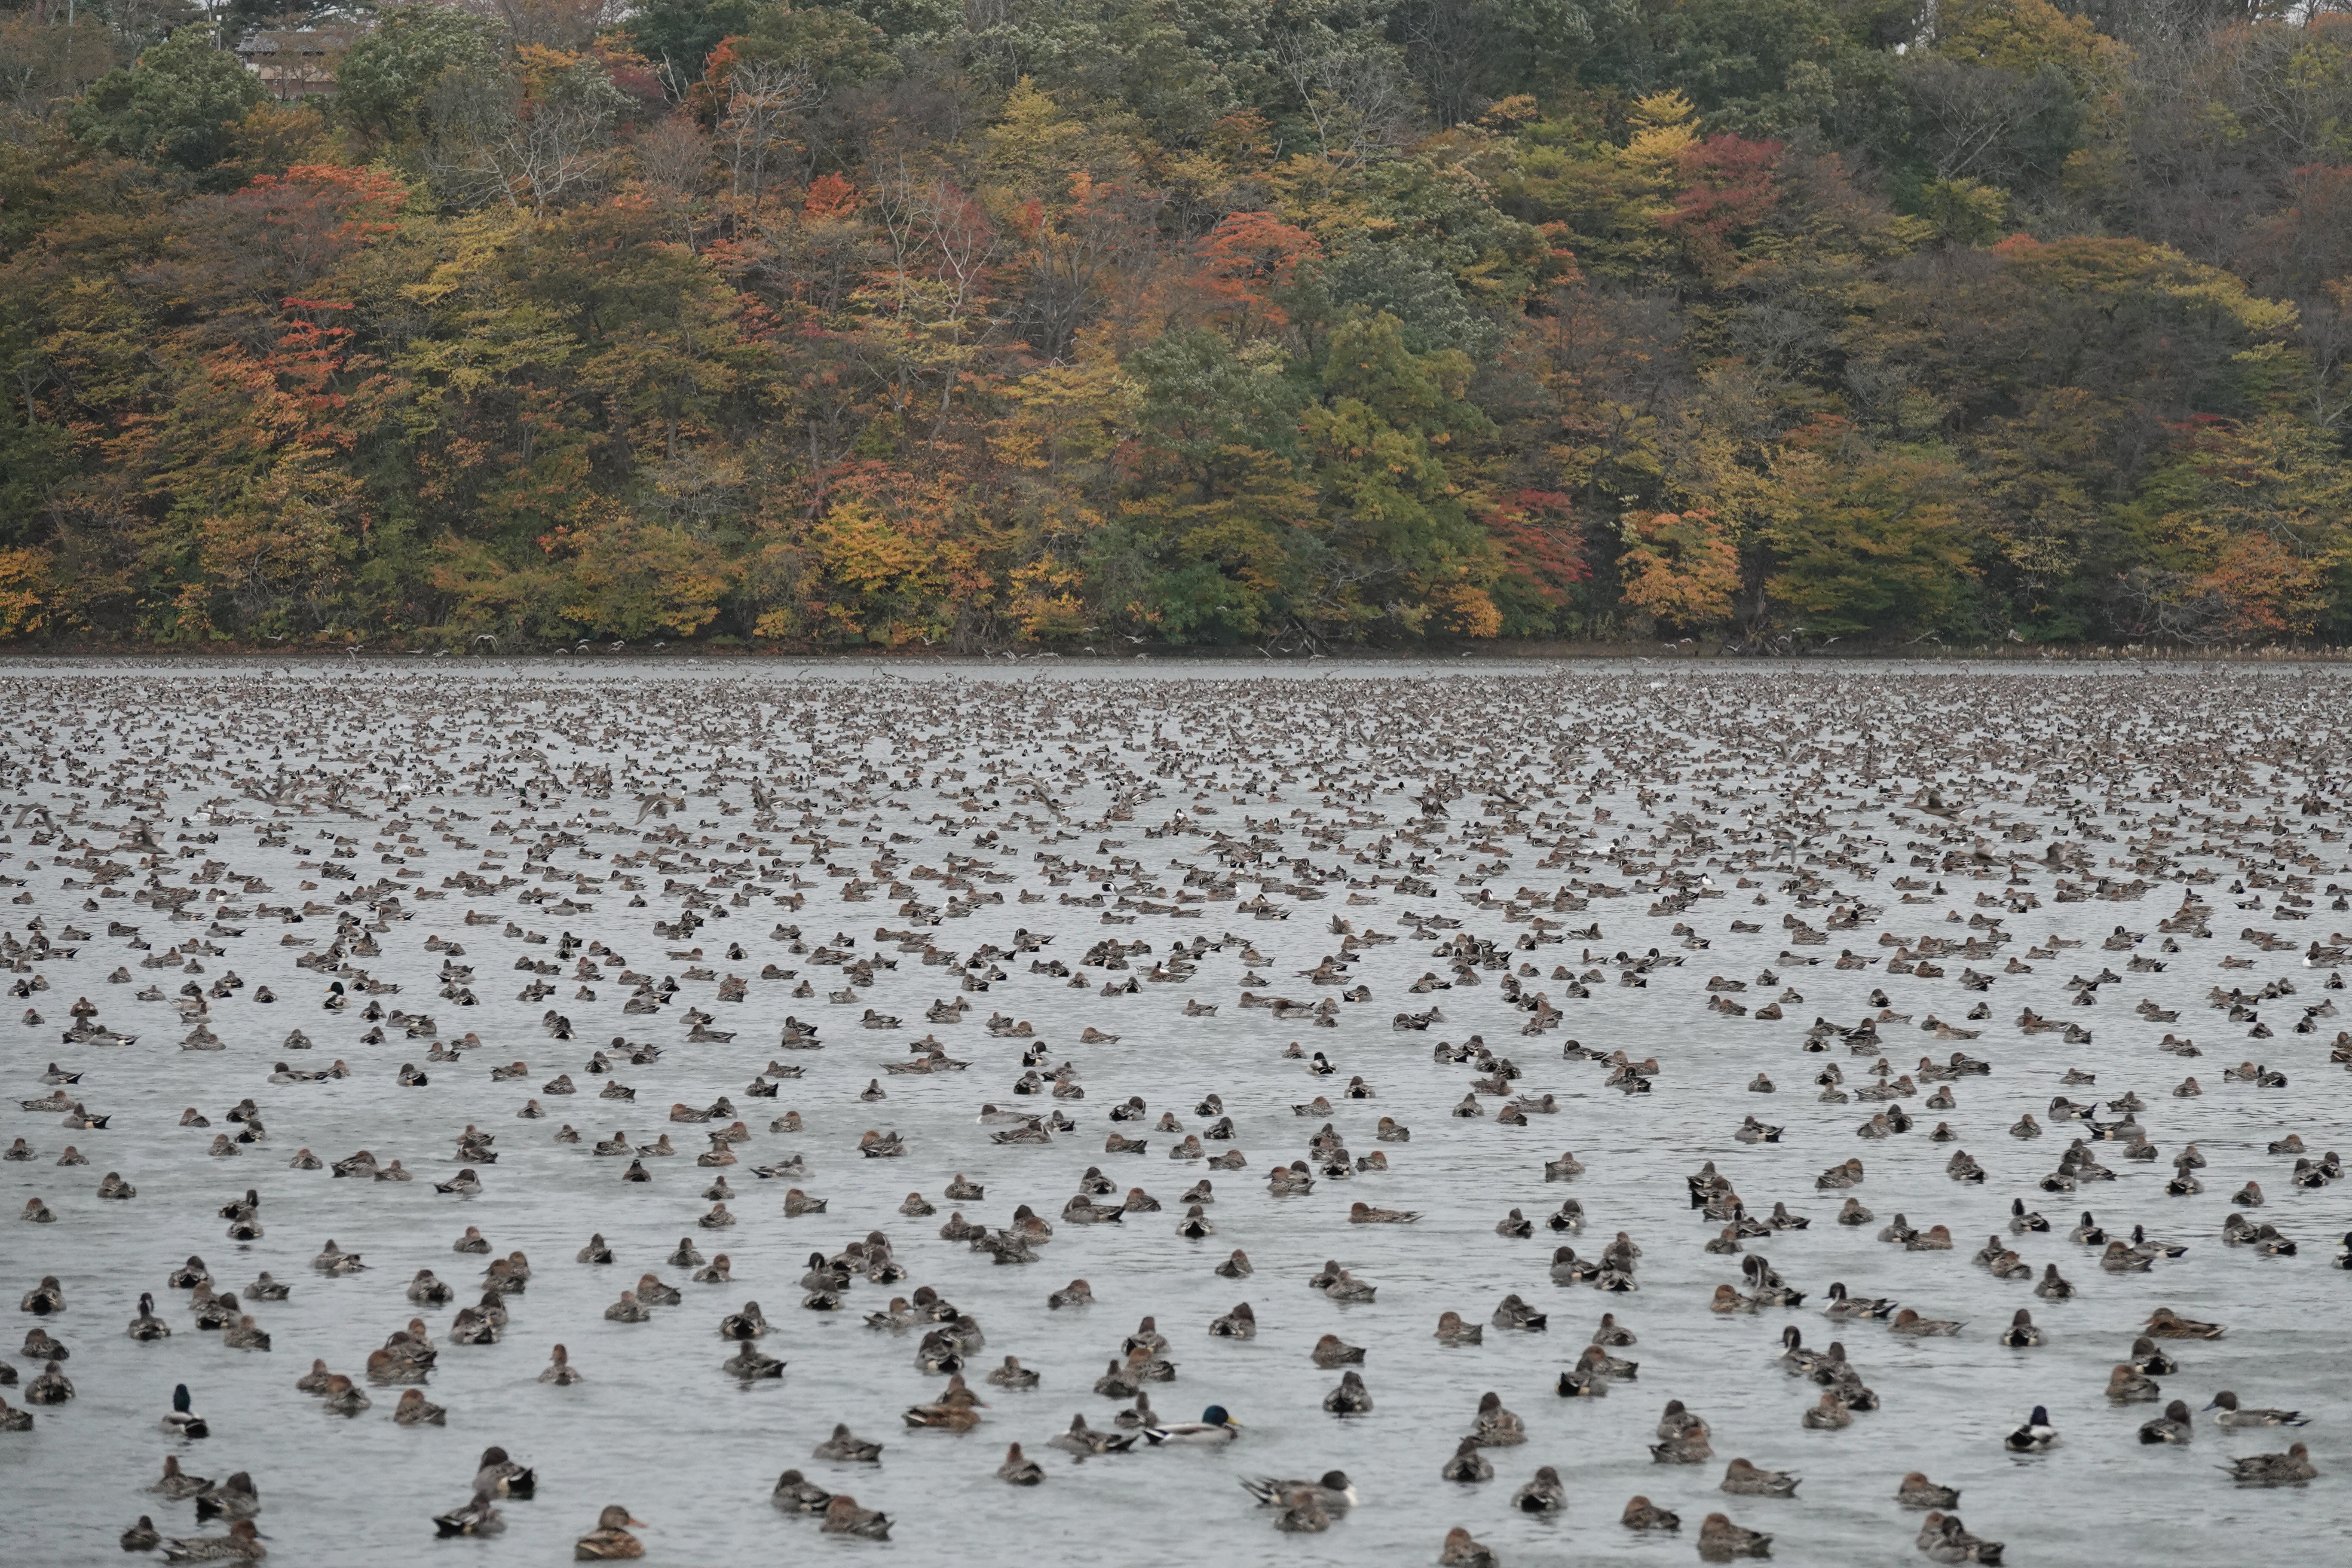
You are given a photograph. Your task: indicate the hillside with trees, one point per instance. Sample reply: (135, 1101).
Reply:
(1105, 323)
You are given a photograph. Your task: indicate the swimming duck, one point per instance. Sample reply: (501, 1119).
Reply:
(1461, 1551)
(478, 1515)
(1335, 1493)
(2126, 1385)
(236, 1498)
(183, 1421)
(1214, 1426)
(177, 1484)
(2022, 1333)
(559, 1370)
(2172, 1426)
(341, 1396)
(611, 1539)
(141, 1536)
(1916, 1490)
(795, 1493)
(2034, 1436)
(2292, 1467)
(1467, 1465)
(1908, 1321)
(842, 1447)
(1641, 1514)
(2228, 1412)
(2165, 1323)
(497, 1468)
(1742, 1479)
(844, 1517)
(1496, 1427)
(243, 1542)
(1350, 1398)
(1719, 1540)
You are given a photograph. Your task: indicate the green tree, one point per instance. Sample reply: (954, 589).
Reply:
(177, 106)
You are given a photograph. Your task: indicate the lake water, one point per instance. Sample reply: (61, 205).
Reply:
(1776, 770)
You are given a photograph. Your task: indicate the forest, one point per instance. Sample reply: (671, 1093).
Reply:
(988, 325)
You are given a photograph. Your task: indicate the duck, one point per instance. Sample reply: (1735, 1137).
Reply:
(795, 1493)
(2292, 1468)
(2228, 1412)
(2033, 1437)
(611, 1540)
(843, 1447)
(183, 1421)
(147, 1326)
(177, 1484)
(2021, 1332)
(1334, 1493)
(243, 1542)
(2164, 1324)
(341, 1396)
(844, 1517)
(1916, 1490)
(1641, 1514)
(496, 1468)
(1241, 1323)
(2172, 1426)
(1719, 1539)
(1461, 1551)
(477, 1515)
(1351, 1397)
(1831, 1414)
(1910, 1322)
(2126, 1385)
(1742, 1479)
(1214, 1428)
(141, 1536)
(1084, 1440)
(236, 1498)
(559, 1371)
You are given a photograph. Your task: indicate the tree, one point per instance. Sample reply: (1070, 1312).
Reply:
(176, 106)
(386, 77)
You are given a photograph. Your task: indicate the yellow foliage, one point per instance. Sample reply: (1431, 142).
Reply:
(1680, 568)
(1662, 128)
(24, 592)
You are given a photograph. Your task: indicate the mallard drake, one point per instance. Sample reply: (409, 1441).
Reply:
(183, 1421)
(611, 1540)
(1214, 1427)
(2034, 1436)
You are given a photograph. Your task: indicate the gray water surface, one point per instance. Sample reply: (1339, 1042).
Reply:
(1830, 761)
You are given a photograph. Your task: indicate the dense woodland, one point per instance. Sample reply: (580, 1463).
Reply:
(1088, 323)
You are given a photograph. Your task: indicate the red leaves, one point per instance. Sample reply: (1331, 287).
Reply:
(1728, 186)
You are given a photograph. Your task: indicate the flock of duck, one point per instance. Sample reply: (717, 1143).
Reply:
(1160, 921)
